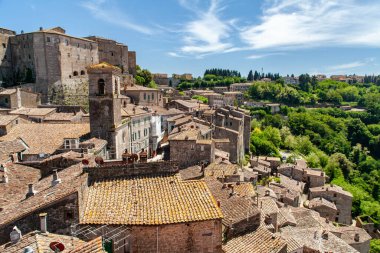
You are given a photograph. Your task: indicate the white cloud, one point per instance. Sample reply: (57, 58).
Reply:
(313, 23)
(260, 56)
(174, 54)
(206, 34)
(113, 16)
(352, 65)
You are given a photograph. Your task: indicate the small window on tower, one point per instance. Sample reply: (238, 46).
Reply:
(75, 73)
(82, 72)
(101, 87)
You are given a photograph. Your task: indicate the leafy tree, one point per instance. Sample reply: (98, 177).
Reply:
(201, 99)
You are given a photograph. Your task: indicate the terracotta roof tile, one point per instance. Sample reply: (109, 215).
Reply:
(149, 200)
(6, 119)
(72, 179)
(260, 241)
(46, 138)
(40, 243)
(93, 246)
(8, 148)
(235, 207)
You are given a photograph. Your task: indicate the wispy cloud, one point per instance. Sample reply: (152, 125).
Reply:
(352, 65)
(176, 55)
(100, 10)
(313, 23)
(260, 56)
(207, 32)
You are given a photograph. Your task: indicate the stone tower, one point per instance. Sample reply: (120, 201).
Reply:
(105, 107)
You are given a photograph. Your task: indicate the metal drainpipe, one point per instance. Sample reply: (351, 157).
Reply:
(157, 240)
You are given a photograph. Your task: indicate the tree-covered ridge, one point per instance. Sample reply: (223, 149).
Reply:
(258, 76)
(222, 72)
(313, 92)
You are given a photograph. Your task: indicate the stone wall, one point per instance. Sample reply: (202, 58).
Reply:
(189, 153)
(6, 74)
(132, 62)
(236, 148)
(199, 237)
(343, 203)
(121, 169)
(112, 52)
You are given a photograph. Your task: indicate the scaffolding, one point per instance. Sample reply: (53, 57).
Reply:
(118, 235)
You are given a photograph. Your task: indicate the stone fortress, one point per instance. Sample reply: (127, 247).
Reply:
(53, 63)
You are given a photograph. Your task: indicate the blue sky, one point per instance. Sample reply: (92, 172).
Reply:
(188, 36)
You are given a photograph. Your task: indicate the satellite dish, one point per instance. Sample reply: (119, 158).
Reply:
(85, 162)
(57, 246)
(99, 160)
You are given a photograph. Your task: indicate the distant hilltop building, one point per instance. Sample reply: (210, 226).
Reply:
(55, 62)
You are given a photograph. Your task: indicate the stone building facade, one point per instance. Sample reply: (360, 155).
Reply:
(112, 52)
(145, 96)
(233, 124)
(56, 62)
(188, 148)
(335, 194)
(53, 60)
(5, 56)
(16, 98)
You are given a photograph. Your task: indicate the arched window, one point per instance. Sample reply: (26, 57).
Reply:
(82, 72)
(75, 73)
(101, 86)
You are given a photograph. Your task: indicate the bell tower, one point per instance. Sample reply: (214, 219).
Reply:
(105, 107)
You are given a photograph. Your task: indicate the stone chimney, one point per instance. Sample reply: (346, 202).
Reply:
(15, 235)
(357, 237)
(18, 97)
(43, 222)
(31, 191)
(4, 179)
(56, 180)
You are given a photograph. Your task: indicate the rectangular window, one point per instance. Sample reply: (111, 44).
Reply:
(144, 96)
(152, 96)
(47, 39)
(202, 148)
(4, 46)
(139, 134)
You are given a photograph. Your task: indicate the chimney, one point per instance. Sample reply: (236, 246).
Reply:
(18, 97)
(15, 235)
(43, 222)
(31, 191)
(41, 28)
(5, 179)
(357, 237)
(56, 180)
(232, 190)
